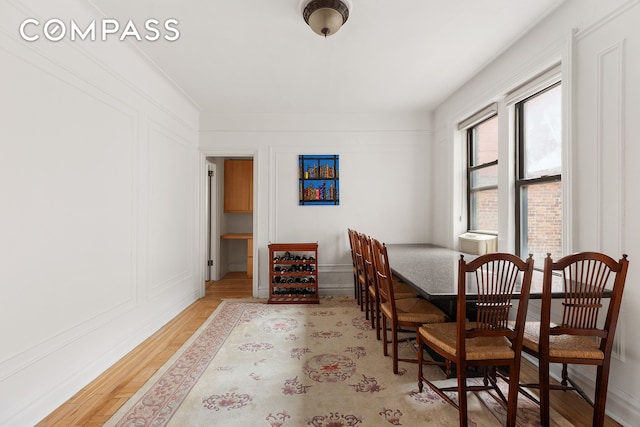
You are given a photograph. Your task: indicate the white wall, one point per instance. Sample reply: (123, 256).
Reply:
(384, 182)
(601, 74)
(98, 161)
(101, 181)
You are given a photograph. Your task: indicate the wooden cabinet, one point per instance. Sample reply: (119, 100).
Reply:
(293, 273)
(250, 257)
(238, 185)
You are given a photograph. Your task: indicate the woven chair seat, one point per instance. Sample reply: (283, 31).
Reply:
(400, 291)
(565, 346)
(415, 310)
(480, 348)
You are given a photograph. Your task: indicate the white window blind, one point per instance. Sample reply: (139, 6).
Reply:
(475, 118)
(541, 81)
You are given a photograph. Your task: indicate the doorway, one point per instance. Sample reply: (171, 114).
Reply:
(229, 234)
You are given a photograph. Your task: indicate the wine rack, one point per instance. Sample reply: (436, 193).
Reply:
(293, 273)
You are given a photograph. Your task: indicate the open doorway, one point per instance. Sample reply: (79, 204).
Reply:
(230, 217)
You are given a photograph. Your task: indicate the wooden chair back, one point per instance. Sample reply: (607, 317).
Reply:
(351, 234)
(357, 244)
(383, 274)
(585, 277)
(495, 278)
(367, 259)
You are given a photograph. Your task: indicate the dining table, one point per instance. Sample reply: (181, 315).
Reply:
(432, 271)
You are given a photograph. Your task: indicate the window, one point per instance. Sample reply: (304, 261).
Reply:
(539, 174)
(482, 176)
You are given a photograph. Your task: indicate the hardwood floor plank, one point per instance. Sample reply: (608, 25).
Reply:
(99, 400)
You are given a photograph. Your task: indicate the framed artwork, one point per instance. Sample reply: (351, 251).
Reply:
(318, 179)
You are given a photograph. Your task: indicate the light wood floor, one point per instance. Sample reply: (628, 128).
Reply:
(98, 401)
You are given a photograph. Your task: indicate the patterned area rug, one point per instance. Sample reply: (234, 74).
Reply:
(253, 364)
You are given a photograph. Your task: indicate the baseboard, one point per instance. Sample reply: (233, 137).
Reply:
(621, 407)
(336, 292)
(44, 404)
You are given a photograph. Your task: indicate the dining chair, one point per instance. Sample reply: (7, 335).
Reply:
(367, 275)
(401, 313)
(372, 301)
(488, 341)
(360, 272)
(581, 337)
(352, 236)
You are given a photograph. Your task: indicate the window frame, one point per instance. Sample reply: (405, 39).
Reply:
(520, 181)
(469, 131)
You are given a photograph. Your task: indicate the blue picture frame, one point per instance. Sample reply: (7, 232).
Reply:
(318, 179)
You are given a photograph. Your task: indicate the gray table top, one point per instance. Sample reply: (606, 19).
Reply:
(433, 270)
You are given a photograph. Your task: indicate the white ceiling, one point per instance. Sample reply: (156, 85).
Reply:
(259, 56)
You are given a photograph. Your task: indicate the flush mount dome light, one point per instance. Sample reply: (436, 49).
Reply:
(325, 17)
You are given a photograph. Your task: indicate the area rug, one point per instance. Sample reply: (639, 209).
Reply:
(256, 364)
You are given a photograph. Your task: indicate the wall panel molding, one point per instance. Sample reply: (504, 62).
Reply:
(77, 124)
(611, 162)
(128, 118)
(169, 159)
(610, 148)
(99, 54)
(602, 22)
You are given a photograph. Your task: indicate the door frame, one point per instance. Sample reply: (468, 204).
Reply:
(213, 221)
(203, 203)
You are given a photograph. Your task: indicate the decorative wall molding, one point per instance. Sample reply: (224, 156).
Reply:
(568, 134)
(112, 106)
(600, 23)
(24, 358)
(611, 144)
(177, 151)
(265, 124)
(95, 57)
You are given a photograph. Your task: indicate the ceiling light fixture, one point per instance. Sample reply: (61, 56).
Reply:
(325, 17)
